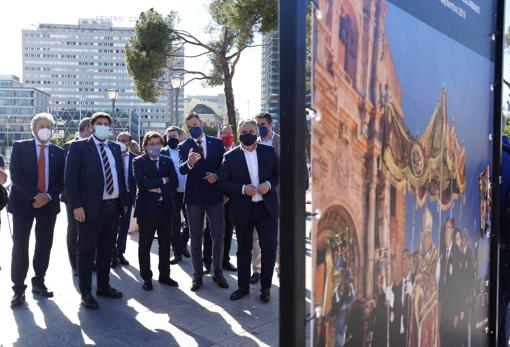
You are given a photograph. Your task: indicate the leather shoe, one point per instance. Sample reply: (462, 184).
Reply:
(238, 294)
(89, 302)
(265, 295)
(169, 281)
(196, 285)
(186, 253)
(220, 281)
(147, 285)
(109, 293)
(229, 267)
(255, 277)
(17, 300)
(175, 260)
(42, 291)
(123, 260)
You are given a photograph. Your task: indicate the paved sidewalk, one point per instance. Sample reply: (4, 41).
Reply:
(164, 317)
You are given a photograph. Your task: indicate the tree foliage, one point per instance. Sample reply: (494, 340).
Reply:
(157, 42)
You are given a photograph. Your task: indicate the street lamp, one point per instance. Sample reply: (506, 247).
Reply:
(112, 93)
(177, 82)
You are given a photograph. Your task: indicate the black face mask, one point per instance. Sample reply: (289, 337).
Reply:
(248, 139)
(173, 143)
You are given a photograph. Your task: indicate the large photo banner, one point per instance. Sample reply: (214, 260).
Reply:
(401, 166)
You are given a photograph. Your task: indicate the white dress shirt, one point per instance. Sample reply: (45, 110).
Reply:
(113, 169)
(268, 142)
(174, 155)
(253, 167)
(46, 161)
(125, 158)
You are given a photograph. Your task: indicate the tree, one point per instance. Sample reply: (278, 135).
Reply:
(157, 42)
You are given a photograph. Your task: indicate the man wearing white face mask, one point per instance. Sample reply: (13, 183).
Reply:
(34, 196)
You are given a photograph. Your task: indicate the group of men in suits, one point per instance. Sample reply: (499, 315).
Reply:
(103, 181)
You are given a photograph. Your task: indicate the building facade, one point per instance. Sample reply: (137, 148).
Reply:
(76, 64)
(270, 84)
(216, 103)
(18, 104)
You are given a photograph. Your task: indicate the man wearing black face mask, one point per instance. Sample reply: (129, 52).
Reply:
(180, 231)
(249, 176)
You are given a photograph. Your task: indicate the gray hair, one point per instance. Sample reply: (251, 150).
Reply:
(249, 121)
(40, 116)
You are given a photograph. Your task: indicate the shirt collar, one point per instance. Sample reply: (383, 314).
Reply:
(246, 151)
(38, 143)
(97, 142)
(201, 138)
(262, 140)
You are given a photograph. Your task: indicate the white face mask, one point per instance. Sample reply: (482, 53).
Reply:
(44, 134)
(123, 147)
(102, 132)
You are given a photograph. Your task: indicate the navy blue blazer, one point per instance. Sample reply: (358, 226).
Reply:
(234, 174)
(84, 180)
(148, 176)
(23, 171)
(131, 179)
(65, 147)
(198, 191)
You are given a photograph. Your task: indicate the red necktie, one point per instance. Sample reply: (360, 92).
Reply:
(41, 171)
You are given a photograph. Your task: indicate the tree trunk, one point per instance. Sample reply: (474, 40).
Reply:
(229, 96)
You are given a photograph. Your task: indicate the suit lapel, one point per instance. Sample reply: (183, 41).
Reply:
(51, 152)
(260, 161)
(95, 154)
(33, 149)
(244, 165)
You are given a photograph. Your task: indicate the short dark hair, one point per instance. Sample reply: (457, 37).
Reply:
(191, 115)
(126, 133)
(98, 115)
(250, 121)
(151, 135)
(85, 122)
(266, 116)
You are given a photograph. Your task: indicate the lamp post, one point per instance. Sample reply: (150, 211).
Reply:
(113, 93)
(177, 82)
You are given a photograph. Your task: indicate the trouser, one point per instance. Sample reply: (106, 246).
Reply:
(180, 231)
(215, 217)
(97, 238)
(256, 254)
(22, 225)
(229, 230)
(122, 233)
(148, 227)
(72, 235)
(267, 228)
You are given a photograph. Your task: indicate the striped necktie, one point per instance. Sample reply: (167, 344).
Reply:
(107, 170)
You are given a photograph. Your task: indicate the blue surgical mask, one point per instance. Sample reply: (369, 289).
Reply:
(153, 151)
(101, 132)
(263, 130)
(195, 132)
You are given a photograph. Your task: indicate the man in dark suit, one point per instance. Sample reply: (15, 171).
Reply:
(155, 207)
(249, 176)
(37, 174)
(84, 131)
(124, 140)
(180, 231)
(96, 188)
(200, 158)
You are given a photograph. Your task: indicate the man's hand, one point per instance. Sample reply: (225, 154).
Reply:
(211, 177)
(250, 190)
(264, 188)
(154, 190)
(193, 157)
(41, 199)
(79, 214)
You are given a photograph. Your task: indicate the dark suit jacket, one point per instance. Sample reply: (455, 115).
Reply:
(198, 191)
(65, 147)
(148, 177)
(131, 179)
(234, 174)
(23, 170)
(84, 180)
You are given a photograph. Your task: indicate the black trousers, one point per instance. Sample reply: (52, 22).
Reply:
(147, 228)
(180, 231)
(122, 233)
(22, 225)
(229, 230)
(72, 236)
(96, 238)
(267, 229)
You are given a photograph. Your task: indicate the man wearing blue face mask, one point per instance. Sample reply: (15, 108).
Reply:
(200, 158)
(37, 174)
(96, 188)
